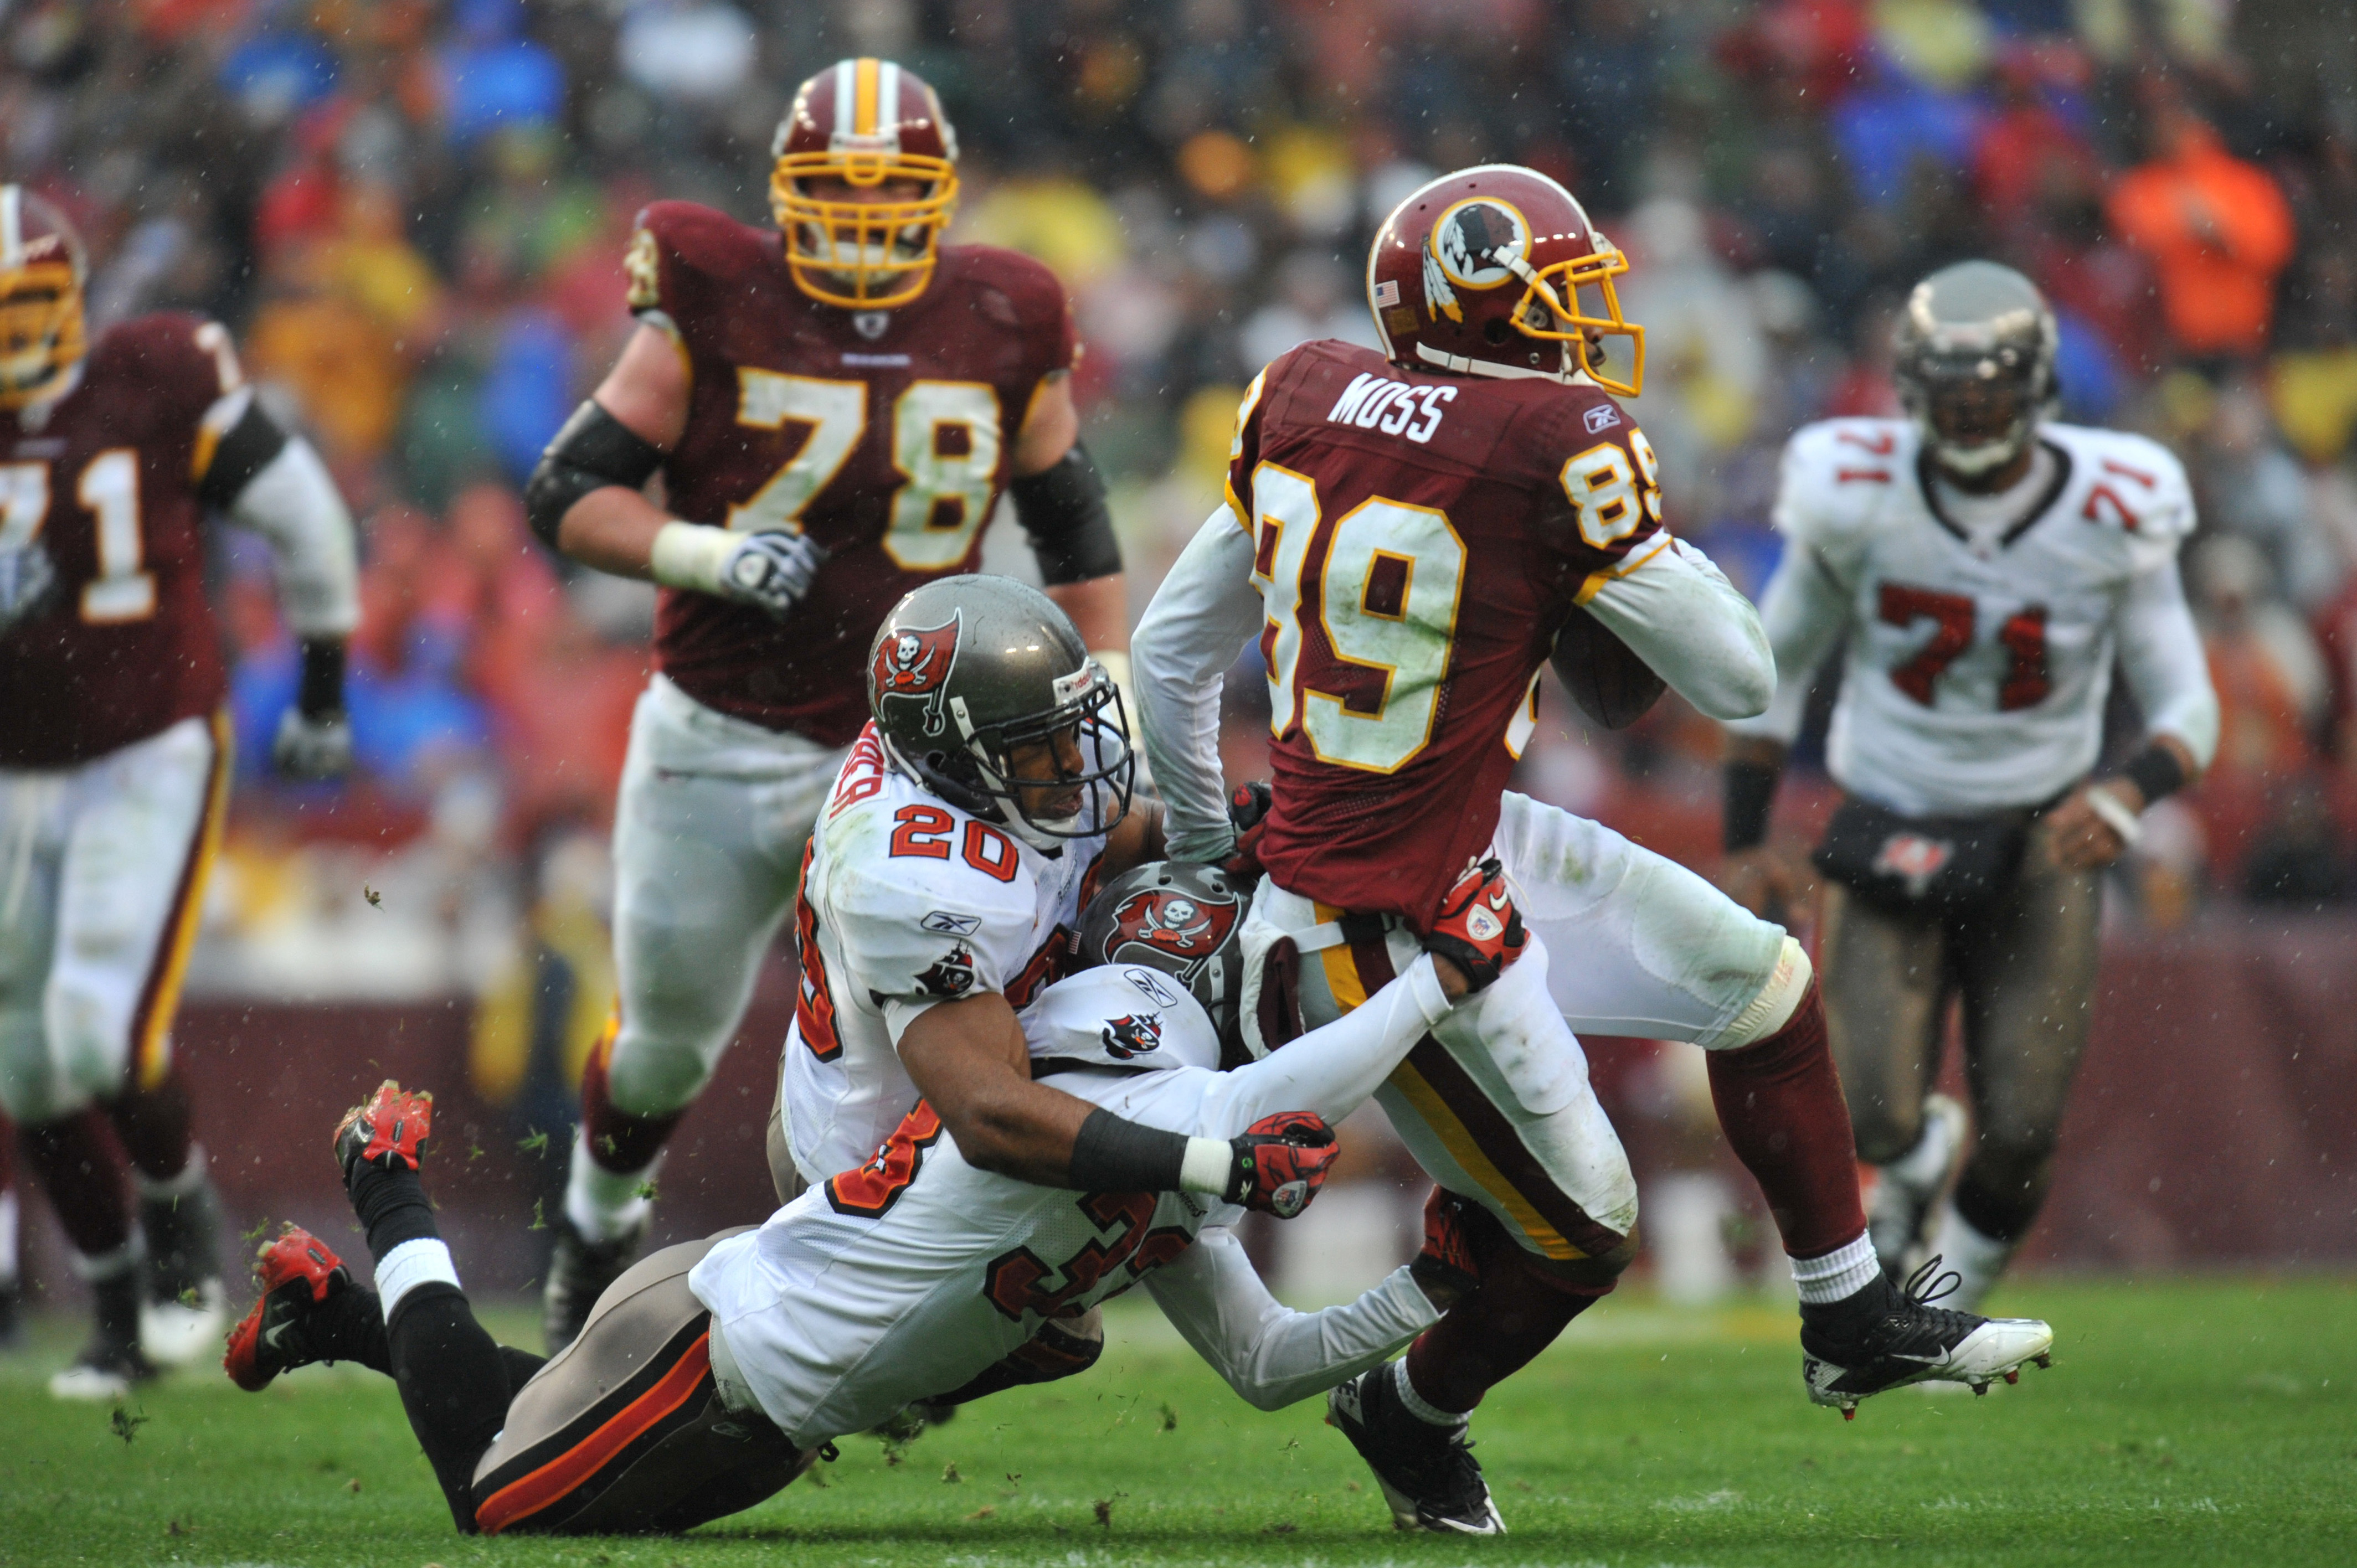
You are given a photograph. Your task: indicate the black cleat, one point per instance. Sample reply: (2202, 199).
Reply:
(111, 1364)
(579, 1270)
(1428, 1472)
(1886, 1336)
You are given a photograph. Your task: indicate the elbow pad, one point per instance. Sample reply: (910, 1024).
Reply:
(594, 450)
(252, 445)
(1062, 508)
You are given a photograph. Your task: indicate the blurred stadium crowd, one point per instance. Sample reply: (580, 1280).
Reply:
(413, 214)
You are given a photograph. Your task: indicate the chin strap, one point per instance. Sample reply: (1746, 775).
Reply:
(1472, 367)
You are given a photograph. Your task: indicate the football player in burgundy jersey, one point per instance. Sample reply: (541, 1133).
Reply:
(1407, 534)
(835, 406)
(114, 755)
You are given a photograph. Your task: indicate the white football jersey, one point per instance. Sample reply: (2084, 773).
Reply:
(1977, 667)
(907, 1275)
(905, 900)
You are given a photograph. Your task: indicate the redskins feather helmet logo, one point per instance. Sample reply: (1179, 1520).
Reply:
(915, 663)
(1173, 924)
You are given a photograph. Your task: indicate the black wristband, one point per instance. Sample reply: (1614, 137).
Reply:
(321, 693)
(252, 445)
(593, 451)
(1751, 797)
(1115, 1154)
(2156, 772)
(1064, 512)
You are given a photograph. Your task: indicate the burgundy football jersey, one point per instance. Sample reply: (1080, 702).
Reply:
(885, 435)
(1419, 541)
(123, 645)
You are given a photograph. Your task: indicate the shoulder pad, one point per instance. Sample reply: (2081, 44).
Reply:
(2127, 483)
(181, 358)
(1121, 1015)
(1038, 294)
(1835, 476)
(676, 242)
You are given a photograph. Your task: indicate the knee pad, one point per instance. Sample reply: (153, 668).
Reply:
(650, 1077)
(1779, 997)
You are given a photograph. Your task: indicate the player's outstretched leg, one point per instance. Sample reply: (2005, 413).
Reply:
(604, 1218)
(1886, 1336)
(82, 1174)
(452, 1375)
(306, 1309)
(184, 1305)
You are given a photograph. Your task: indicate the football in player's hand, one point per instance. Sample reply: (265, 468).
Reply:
(1611, 685)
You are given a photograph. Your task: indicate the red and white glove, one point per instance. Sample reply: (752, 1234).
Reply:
(1479, 929)
(1280, 1161)
(1448, 1264)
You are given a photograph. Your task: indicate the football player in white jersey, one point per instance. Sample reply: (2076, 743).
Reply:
(712, 1373)
(1988, 564)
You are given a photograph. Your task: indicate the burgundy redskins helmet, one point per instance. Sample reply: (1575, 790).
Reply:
(864, 121)
(43, 269)
(1480, 270)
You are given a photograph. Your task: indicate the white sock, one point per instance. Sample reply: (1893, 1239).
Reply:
(189, 1180)
(1839, 1275)
(602, 1204)
(1978, 1260)
(409, 1265)
(1424, 1409)
(8, 1237)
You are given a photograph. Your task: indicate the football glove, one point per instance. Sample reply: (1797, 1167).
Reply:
(772, 571)
(1280, 1161)
(1247, 810)
(1479, 928)
(312, 745)
(25, 577)
(1447, 1265)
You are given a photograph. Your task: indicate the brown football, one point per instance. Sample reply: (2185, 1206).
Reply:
(1611, 685)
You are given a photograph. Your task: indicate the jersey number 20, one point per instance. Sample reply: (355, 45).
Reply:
(1383, 606)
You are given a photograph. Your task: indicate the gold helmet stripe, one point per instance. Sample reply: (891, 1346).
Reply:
(11, 225)
(863, 116)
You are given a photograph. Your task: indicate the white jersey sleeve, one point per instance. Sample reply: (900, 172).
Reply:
(1267, 1352)
(1677, 611)
(2161, 654)
(1202, 616)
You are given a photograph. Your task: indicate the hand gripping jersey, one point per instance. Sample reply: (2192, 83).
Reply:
(887, 435)
(907, 1274)
(122, 645)
(1420, 539)
(1976, 671)
(905, 900)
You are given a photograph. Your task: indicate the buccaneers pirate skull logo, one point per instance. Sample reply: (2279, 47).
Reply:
(1170, 924)
(914, 663)
(1131, 1036)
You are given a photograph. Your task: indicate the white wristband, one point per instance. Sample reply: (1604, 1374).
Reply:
(1205, 1168)
(2115, 814)
(690, 555)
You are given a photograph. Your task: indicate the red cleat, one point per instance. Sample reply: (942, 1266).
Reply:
(387, 1129)
(296, 1272)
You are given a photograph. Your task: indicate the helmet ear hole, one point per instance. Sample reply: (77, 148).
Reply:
(1494, 332)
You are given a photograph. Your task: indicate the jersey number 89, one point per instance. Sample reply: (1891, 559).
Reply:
(1383, 606)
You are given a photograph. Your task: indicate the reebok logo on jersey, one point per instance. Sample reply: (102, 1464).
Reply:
(1602, 417)
(1376, 403)
(948, 925)
(950, 976)
(1153, 984)
(915, 664)
(1130, 1037)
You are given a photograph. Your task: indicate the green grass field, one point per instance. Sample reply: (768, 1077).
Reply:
(2185, 1422)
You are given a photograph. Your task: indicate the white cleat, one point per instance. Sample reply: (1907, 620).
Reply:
(1905, 1189)
(177, 1334)
(1910, 1341)
(89, 1385)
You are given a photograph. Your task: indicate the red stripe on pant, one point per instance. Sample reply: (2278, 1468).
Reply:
(557, 1480)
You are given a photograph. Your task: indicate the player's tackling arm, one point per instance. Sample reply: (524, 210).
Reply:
(1677, 611)
(969, 1061)
(1205, 612)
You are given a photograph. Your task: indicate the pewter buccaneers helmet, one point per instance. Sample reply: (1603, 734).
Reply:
(1975, 364)
(967, 670)
(1182, 919)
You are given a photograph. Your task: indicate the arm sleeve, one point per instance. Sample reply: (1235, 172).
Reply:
(2161, 651)
(1202, 617)
(1267, 1352)
(288, 497)
(1332, 1069)
(1677, 611)
(1802, 612)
